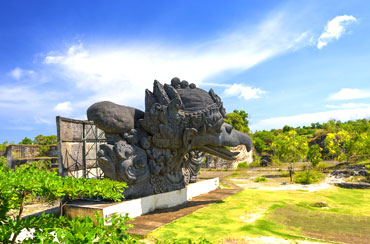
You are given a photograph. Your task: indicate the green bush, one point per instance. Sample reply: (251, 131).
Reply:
(368, 172)
(255, 164)
(321, 166)
(28, 181)
(261, 179)
(256, 161)
(243, 165)
(308, 177)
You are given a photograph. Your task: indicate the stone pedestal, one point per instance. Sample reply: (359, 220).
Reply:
(140, 206)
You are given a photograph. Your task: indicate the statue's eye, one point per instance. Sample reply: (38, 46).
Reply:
(228, 128)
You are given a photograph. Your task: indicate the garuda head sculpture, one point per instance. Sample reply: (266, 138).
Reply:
(162, 149)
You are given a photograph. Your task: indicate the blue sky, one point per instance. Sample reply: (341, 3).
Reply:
(283, 62)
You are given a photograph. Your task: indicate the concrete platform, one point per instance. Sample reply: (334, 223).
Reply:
(138, 207)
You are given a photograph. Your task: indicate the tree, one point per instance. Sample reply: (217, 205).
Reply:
(262, 141)
(287, 128)
(331, 126)
(34, 180)
(362, 145)
(239, 120)
(314, 155)
(26, 141)
(44, 143)
(3, 145)
(341, 145)
(259, 145)
(290, 147)
(46, 140)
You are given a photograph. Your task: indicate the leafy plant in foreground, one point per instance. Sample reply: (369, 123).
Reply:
(19, 186)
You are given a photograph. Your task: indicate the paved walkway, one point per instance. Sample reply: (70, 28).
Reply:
(151, 221)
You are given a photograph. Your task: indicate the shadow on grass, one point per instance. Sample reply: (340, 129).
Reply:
(184, 206)
(273, 176)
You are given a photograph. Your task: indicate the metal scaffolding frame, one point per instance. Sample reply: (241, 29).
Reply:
(84, 136)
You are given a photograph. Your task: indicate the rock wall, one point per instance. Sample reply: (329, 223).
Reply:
(214, 162)
(22, 151)
(21, 154)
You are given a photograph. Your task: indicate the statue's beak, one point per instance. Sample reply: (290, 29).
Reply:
(216, 144)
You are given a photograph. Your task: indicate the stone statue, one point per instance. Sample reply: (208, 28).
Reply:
(162, 149)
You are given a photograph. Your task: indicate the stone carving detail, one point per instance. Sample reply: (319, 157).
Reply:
(162, 149)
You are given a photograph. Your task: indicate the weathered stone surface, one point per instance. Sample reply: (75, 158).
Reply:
(113, 118)
(214, 162)
(162, 149)
(350, 185)
(22, 154)
(352, 170)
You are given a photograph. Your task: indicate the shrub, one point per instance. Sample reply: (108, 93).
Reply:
(368, 172)
(19, 186)
(322, 166)
(243, 165)
(255, 164)
(261, 179)
(308, 177)
(256, 161)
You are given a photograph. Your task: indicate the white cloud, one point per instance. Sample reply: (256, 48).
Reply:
(242, 91)
(334, 29)
(64, 108)
(25, 102)
(308, 118)
(18, 94)
(350, 93)
(40, 120)
(121, 74)
(349, 105)
(18, 73)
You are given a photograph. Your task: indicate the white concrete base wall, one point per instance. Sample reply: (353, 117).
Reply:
(147, 204)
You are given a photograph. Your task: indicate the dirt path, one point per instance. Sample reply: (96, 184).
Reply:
(250, 184)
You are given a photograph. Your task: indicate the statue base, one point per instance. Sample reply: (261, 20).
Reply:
(140, 206)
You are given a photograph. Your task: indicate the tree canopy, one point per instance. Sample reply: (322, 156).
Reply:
(239, 120)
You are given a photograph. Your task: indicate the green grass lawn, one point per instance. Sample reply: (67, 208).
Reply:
(285, 214)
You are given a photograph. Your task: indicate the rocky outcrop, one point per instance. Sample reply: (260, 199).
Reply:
(214, 162)
(350, 171)
(350, 185)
